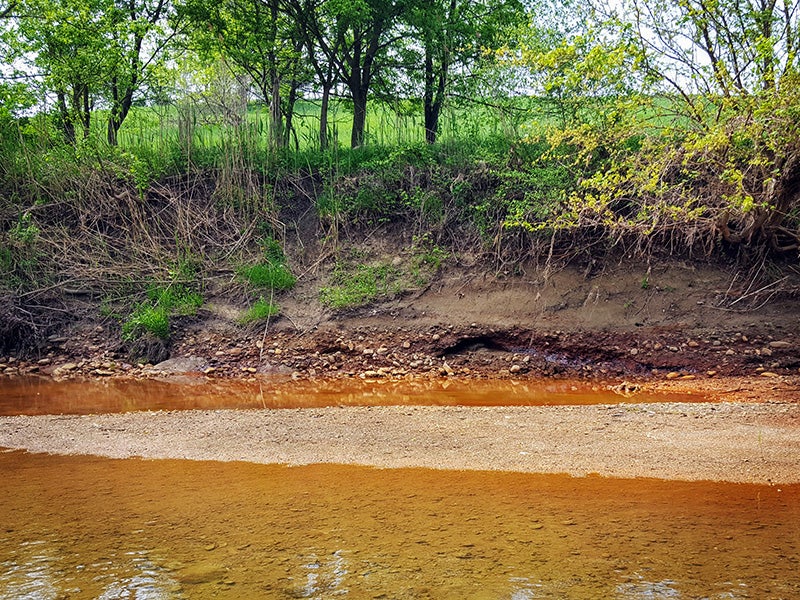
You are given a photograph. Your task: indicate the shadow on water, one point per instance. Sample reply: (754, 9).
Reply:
(85, 527)
(38, 396)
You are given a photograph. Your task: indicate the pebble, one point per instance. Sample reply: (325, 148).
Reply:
(769, 374)
(692, 344)
(673, 375)
(515, 369)
(780, 344)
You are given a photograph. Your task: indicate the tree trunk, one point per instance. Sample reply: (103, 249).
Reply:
(323, 118)
(119, 112)
(359, 116)
(66, 122)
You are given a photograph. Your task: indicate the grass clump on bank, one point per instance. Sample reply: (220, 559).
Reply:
(152, 316)
(260, 311)
(271, 272)
(357, 285)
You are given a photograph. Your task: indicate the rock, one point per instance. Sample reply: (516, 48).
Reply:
(688, 377)
(769, 374)
(711, 373)
(692, 344)
(43, 361)
(634, 351)
(66, 368)
(673, 375)
(436, 337)
(183, 364)
(657, 346)
(515, 369)
(446, 370)
(766, 352)
(102, 372)
(406, 345)
(730, 352)
(780, 344)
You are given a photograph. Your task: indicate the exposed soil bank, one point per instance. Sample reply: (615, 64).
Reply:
(675, 328)
(737, 442)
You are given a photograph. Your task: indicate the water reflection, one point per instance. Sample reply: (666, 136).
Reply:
(85, 527)
(37, 396)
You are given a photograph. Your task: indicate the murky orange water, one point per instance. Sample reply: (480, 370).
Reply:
(84, 527)
(36, 396)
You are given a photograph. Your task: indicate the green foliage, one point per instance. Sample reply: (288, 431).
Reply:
(152, 316)
(24, 231)
(268, 275)
(146, 319)
(272, 273)
(356, 285)
(261, 310)
(426, 259)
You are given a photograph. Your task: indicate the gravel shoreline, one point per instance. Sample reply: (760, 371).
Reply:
(731, 441)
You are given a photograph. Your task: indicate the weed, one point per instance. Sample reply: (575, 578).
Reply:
(260, 311)
(24, 231)
(427, 259)
(152, 315)
(268, 275)
(146, 319)
(271, 273)
(357, 286)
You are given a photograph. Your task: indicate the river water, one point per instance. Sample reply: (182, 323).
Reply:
(41, 396)
(88, 527)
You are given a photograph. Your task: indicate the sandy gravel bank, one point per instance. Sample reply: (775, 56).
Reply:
(737, 442)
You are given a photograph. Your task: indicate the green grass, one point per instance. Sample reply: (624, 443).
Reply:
(357, 285)
(261, 310)
(268, 275)
(152, 316)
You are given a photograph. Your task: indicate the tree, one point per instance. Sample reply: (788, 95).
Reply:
(313, 25)
(455, 36)
(94, 50)
(354, 37)
(69, 40)
(140, 39)
(257, 38)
